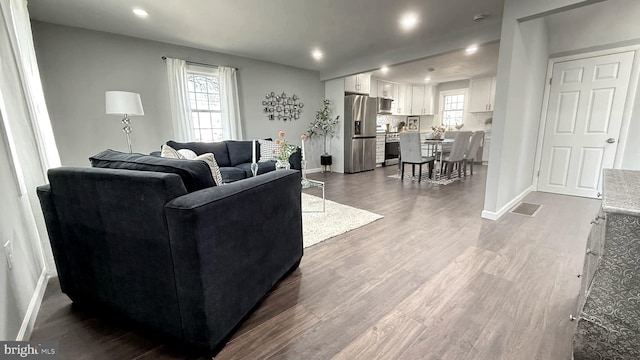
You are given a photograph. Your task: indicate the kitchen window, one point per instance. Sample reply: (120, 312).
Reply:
(453, 110)
(203, 88)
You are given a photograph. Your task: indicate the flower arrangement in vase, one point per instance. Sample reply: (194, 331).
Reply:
(438, 131)
(285, 150)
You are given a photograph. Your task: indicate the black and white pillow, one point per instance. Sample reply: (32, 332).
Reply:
(210, 159)
(268, 149)
(170, 153)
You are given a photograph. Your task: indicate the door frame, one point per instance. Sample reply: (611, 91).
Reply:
(626, 113)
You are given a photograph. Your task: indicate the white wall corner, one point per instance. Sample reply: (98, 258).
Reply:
(495, 215)
(34, 307)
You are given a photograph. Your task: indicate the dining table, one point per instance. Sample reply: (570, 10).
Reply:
(435, 149)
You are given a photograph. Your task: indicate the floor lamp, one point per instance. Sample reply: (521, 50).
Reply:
(126, 104)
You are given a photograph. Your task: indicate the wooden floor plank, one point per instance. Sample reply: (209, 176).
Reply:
(270, 336)
(387, 339)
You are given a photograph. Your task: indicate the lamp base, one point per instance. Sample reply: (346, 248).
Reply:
(127, 130)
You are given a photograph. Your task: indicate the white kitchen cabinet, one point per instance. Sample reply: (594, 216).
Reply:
(482, 93)
(385, 89)
(422, 100)
(359, 83)
(402, 99)
(373, 88)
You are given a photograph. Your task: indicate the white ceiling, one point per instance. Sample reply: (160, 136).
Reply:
(456, 65)
(285, 31)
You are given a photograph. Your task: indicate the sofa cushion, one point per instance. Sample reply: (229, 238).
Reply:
(263, 167)
(231, 174)
(296, 159)
(219, 150)
(239, 151)
(195, 175)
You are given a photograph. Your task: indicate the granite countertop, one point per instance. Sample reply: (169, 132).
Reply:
(621, 191)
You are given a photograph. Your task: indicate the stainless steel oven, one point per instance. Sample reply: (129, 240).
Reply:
(391, 148)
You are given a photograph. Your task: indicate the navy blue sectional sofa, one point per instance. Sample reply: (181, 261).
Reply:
(234, 157)
(152, 240)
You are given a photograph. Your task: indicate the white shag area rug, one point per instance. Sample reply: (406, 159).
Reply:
(337, 219)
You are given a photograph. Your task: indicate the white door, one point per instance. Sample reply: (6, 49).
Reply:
(586, 102)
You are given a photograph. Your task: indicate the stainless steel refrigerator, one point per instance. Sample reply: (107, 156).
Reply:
(359, 133)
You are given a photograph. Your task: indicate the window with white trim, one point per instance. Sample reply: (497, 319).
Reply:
(453, 110)
(203, 88)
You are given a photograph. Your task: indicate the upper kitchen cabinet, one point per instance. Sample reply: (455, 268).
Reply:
(482, 93)
(385, 89)
(373, 88)
(422, 100)
(359, 83)
(401, 100)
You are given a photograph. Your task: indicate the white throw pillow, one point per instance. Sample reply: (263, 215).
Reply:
(169, 152)
(268, 148)
(187, 154)
(210, 159)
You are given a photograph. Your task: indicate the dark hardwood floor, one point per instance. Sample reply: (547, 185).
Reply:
(431, 280)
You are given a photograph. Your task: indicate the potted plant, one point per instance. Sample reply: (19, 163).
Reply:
(487, 123)
(324, 124)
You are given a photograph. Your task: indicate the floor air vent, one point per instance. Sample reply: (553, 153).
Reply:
(527, 209)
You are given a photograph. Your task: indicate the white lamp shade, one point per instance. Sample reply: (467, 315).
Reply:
(123, 102)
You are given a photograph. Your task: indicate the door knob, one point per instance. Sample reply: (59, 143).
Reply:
(611, 140)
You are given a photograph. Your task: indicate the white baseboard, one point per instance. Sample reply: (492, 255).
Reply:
(34, 306)
(491, 215)
(311, 171)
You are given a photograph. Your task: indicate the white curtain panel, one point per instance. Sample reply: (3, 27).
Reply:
(179, 100)
(25, 54)
(229, 103)
(28, 139)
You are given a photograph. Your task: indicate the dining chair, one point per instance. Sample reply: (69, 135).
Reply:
(411, 153)
(472, 151)
(459, 148)
(446, 148)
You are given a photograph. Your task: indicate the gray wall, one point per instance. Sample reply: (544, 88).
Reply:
(522, 67)
(78, 66)
(593, 26)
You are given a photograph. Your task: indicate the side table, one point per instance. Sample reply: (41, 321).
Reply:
(326, 160)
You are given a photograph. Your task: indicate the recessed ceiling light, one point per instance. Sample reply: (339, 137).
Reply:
(427, 78)
(317, 54)
(471, 49)
(384, 69)
(408, 21)
(140, 12)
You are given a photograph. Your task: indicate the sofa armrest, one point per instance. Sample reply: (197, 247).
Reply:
(230, 244)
